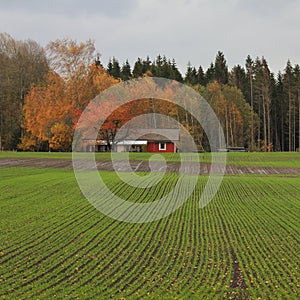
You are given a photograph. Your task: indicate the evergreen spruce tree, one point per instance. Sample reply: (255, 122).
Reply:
(289, 91)
(109, 67)
(220, 69)
(278, 114)
(165, 68)
(237, 78)
(191, 75)
(176, 75)
(113, 68)
(116, 70)
(146, 65)
(249, 94)
(210, 74)
(297, 90)
(263, 93)
(138, 68)
(201, 76)
(157, 66)
(126, 71)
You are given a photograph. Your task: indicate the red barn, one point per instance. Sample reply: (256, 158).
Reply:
(162, 146)
(158, 140)
(162, 140)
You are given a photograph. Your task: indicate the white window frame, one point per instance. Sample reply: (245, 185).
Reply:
(162, 148)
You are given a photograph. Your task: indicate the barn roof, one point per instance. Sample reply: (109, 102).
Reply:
(132, 142)
(153, 134)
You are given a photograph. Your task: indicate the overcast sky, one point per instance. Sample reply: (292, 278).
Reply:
(186, 30)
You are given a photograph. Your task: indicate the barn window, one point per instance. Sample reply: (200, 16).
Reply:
(162, 146)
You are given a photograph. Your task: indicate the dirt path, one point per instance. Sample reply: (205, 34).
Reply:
(143, 166)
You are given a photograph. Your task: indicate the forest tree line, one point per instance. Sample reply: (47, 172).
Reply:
(44, 90)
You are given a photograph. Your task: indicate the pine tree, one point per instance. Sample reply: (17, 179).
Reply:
(288, 84)
(278, 114)
(138, 68)
(146, 65)
(249, 94)
(165, 68)
(262, 94)
(116, 70)
(156, 67)
(237, 78)
(126, 71)
(201, 76)
(210, 74)
(220, 69)
(297, 82)
(191, 75)
(176, 75)
(109, 67)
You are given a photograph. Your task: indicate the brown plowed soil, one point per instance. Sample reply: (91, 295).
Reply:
(143, 166)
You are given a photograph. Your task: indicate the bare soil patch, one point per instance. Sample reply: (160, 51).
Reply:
(143, 166)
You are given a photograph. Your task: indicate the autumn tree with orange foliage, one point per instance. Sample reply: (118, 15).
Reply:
(45, 105)
(53, 107)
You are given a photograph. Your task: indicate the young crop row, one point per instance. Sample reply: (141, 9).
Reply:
(244, 244)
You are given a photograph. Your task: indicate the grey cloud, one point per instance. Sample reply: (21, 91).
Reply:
(111, 8)
(187, 30)
(266, 8)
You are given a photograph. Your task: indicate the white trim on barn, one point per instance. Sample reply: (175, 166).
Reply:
(130, 145)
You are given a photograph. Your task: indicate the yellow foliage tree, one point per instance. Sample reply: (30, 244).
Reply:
(52, 108)
(61, 137)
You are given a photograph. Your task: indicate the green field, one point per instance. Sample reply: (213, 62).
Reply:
(243, 245)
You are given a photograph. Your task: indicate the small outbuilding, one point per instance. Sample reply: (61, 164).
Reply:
(155, 139)
(137, 140)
